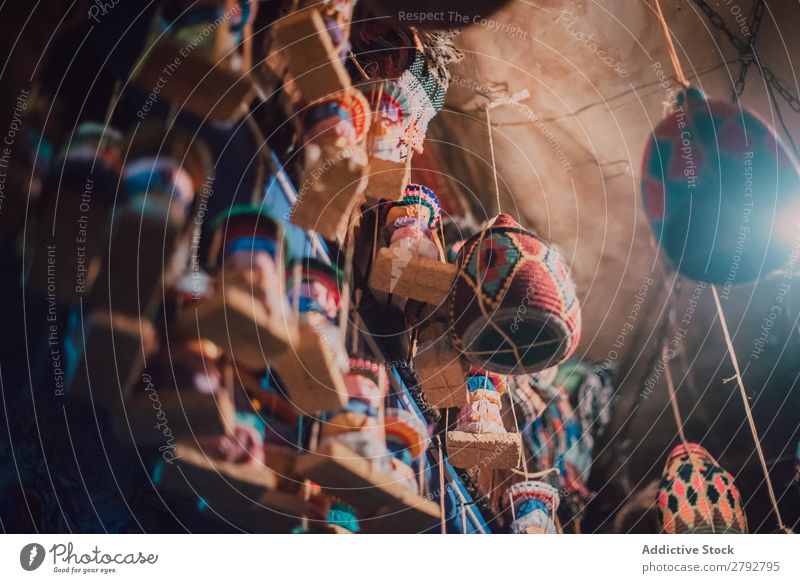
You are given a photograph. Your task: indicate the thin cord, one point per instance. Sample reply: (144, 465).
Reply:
(673, 54)
(679, 422)
(494, 164)
(676, 412)
(747, 409)
(516, 424)
(441, 487)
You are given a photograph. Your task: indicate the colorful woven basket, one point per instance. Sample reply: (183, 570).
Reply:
(718, 184)
(697, 496)
(513, 308)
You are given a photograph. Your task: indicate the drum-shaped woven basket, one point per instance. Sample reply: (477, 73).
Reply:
(720, 190)
(513, 308)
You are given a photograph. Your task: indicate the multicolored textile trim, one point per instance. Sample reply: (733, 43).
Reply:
(243, 222)
(697, 496)
(405, 432)
(95, 152)
(416, 198)
(347, 115)
(343, 515)
(535, 504)
(95, 143)
(523, 285)
(318, 287)
(418, 60)
(478, 379)
(389, 140)
(248, 244)
(715, 179)
(366, 382)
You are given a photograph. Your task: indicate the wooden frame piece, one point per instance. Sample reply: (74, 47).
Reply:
(441, 372)
(206, 86)
(150, 241)
(188, 414)
(115, 347)
(241, 325)
(335, 185)
(412, 276)
(486, 451)
(388, 179)
(246, 495)
(315, 67)
(383, 503)
(308, 369)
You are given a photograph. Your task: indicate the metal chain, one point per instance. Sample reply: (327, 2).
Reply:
(747, 51)
(749, 56)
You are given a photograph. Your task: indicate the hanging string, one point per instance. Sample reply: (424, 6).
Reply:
(673, 54)
(441, 486)
(516, 424)
(491, 150)
(747, 410)
(676, 412)
(535, 475)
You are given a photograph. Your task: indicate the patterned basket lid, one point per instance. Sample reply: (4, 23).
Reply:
(513, 308)
(697, 496)
(716, 181)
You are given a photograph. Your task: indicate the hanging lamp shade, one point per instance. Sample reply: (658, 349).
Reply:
(721, 191)
(513, 307)
(535, 504)
(697, 496)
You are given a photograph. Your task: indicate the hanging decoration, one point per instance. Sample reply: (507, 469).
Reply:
(164, 176)
(389, 155)
(84, 186)
(534, 505)
(720, 190)
(408, 261)
(198, 55)
(554, 435)
(354, 462)
(480, 438)
(248, 316)
(513, 307)
(411, 69)
(439, 367)
(191, 393)
(333, 175)
(357, 425)
(314, 40)
(111, 345)
(407, 439)
(313, 368)
(698, 496)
